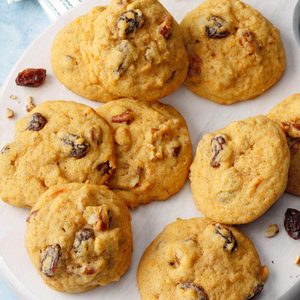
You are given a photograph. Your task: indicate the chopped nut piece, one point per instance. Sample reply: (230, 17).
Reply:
(166, 27)
(13, 97)
(297, 260)
(271, 231)
(9, 113)
(104, 220)
(30, 105)
(125, 117)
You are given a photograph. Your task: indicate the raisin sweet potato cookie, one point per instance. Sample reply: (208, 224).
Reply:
(235, 53)
(130, 49)
(153, 148)
(287, 114)
(57, 142)
(199, 259)
(240, 171)
(79, 236)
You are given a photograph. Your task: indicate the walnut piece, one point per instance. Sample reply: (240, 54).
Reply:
(271, 231)
(125, 117)
(10, 113)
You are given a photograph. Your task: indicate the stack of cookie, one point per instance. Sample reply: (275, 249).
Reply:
(80, 169)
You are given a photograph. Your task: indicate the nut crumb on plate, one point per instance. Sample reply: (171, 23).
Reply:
(13, 97)
(9, 113)
(271, 231)
(30, 104)
(297, 260)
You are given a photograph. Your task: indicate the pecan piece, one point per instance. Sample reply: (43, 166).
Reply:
(256, 290)
(37, 122)
(129, 21)
(166, 27)
(125, 117)
(199, 291)
(83, 235)
(217, 145)
(195, 65)
(271, 231)
(31, 77)
(248, 42)
(230, 243)
(49, 260)
(10, 113)
(292, 223)
(79, 147)
(104, 168)
(104, 219)
(217, 28)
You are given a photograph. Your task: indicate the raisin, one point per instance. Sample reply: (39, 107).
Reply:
(176, 151)
(166, 27)
(49, 259)
(79, 147)
(83, 235)
(104, 168)
(129, 21)
(31, 77)
(125, 117)
(201, 295)
(217, 28)
(292, 223)
(37, 122)
(256, 291)
(230, 243)
(217, 145)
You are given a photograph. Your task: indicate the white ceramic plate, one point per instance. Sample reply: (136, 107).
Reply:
(202, 116)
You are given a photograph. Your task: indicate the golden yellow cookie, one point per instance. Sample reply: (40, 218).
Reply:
(68, 61)
(153, 146)
(240, 171)
(79, 236)
(197, 259)
(57, 142)
(235, 53)
(287, 114)
(130, 49)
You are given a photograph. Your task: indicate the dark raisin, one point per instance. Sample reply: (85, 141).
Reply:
(176, 151)
(31, 77)
(191, 286)
(130, 20)
(217, 28)
(83, 235)
(49, 260)
(230, 243)
(217, 145)
(166, 27)
(292, 223)
(256, 291)
(37, 122)
(125, 117)
(79, 147)
(104, 168)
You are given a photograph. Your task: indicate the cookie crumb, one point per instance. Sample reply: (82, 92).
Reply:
(297, 260)
(271, 231)
(13, 97)
(30, 104)
(9, 113)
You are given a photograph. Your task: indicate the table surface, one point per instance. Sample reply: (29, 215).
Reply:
(20, 24)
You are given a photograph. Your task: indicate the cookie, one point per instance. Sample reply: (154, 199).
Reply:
(235, 53)
(152, 140)
(130, 49)
(69, 63)
(240, 171)
(200, 259)
(57, 142)
(287, 114)
(79, 236)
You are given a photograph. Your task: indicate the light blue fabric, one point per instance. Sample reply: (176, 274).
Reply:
(20, 24)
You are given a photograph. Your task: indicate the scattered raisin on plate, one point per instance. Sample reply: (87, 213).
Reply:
(292, 223)
(31, 77)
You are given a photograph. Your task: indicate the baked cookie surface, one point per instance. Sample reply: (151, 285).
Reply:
(130, 49)
(79, 236)
(240, 171)
(287, 114)
(199, 259)
(57, 142)
(153, 148)
(235, 53)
